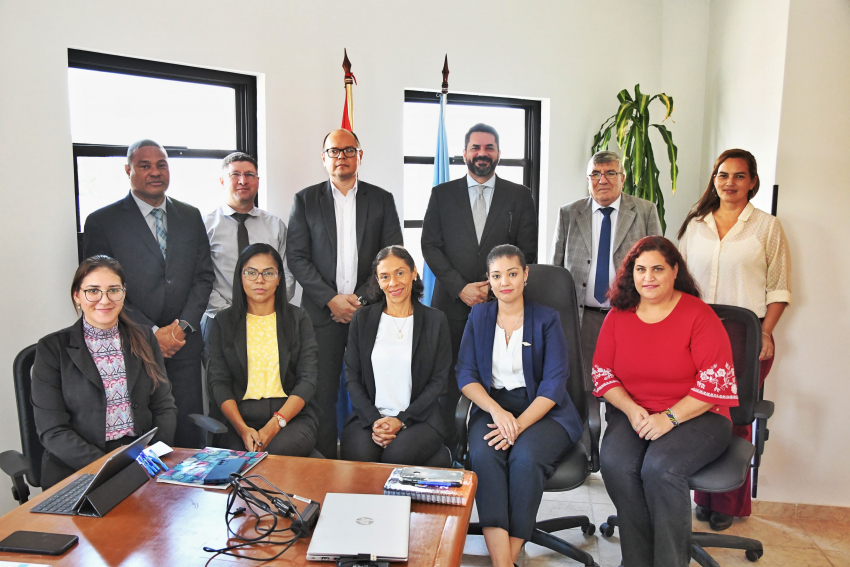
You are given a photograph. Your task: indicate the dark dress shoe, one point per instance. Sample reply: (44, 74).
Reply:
(703, 514)
(720, 522)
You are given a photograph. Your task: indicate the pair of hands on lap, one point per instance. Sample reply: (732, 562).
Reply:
(258, 440)
(506, 429)
(385, 430)
(649, 427)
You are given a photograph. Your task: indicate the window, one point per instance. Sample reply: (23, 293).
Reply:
(199, 115)
(516, 120)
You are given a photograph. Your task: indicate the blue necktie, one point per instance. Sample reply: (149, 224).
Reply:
(603, 257)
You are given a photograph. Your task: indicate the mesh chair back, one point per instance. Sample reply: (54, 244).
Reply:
(553, 287)
(744, 331)
(30, 444)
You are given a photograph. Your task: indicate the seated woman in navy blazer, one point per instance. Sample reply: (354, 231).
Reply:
(397, 366)
(513, 366)
(101, 382)
(263, 362)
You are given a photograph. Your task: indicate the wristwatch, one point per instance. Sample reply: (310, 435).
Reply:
(281, 421)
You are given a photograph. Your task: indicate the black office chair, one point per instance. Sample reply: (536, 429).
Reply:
(729, 471)
(553, 286)
(12, 462)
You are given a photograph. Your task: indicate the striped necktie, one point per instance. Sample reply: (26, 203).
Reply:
(160, 229)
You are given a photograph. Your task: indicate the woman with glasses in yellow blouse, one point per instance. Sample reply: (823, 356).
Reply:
(739, 256)
(263, 362)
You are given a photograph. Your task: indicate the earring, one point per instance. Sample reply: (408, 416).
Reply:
(526, 282)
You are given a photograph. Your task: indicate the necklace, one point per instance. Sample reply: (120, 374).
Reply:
(509, 334)
(403, 323)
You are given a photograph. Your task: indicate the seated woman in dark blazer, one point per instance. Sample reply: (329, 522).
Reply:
(513, 366)
(263, 362)
(100, 383)
(397, 366)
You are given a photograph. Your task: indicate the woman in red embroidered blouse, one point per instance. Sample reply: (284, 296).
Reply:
(663, 362)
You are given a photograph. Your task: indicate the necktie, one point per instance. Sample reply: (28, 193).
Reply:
(160, 229)
(603, 257)
(241, 232)
(479, 213)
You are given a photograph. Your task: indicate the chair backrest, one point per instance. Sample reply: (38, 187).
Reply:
(744, 331)
(32, 449)
(553, 287)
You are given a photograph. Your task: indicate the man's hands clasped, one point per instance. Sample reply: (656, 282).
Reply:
(343, 307)
(170, 338)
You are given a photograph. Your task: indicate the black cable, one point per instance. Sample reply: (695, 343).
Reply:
(273, 506)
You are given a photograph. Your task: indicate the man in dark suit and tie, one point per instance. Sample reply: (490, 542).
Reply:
(336, 228)
(465, 219)
(592, 238)
(162, 245)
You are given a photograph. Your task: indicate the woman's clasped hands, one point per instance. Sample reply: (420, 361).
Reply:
(649, 427)
(385, 430)
(506, 428)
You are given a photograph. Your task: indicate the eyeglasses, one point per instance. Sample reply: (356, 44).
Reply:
(248, 176)
(596, 176)
(251, 274)
(347, 152)
(93, 295)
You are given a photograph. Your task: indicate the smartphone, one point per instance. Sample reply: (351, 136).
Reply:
(423, 475)
(38, 542)
(220, 473)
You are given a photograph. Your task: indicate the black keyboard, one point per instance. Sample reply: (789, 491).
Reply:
(63, 501)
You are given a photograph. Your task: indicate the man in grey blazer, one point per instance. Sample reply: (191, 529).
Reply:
(336, 228)
(162, 245)
(603, 226)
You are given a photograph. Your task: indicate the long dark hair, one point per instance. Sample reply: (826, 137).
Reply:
(623, 294)
(504, 251)
(240, 300)
(139, 345)
(710, 200)
(374, 293)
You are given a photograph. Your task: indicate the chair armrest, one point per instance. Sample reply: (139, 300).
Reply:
(594, 426)
(14, 464)
(764, 409)
(462, 410)
(207, 423)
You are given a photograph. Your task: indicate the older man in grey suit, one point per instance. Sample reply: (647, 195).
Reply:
(592, 238)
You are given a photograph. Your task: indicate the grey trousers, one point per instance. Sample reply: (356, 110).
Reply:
(591, 323)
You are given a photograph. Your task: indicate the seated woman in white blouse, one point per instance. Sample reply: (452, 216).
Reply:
(752, 269)
(397, 366)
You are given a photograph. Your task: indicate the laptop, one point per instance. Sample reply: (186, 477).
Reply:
(354, 524)
(69, 501)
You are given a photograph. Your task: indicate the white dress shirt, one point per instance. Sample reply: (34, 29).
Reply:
(345, 211)
(489, 187)
(507, 360)
(262, 227)
(596, 218)
(750, 267)
(391, 364)
(146, 209)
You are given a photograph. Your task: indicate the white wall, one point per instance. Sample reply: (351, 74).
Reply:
(548, 49)
(808, 456)
(744, 85)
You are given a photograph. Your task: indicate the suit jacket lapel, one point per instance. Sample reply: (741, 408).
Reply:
(240, 345)
(132, 365)
(361, 204)
(79, 354)
(498, 202)
(418, 321)
(625, 217)
(527, 366)
(134, 219)
(283, 352)
(175, 234)
(326, 201)
(461, 204)
(370, 333)
(585, 224)
(485, 362)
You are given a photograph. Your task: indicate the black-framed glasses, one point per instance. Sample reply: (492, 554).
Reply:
(250, 176)
(596, 175)
(93, 295)
(252, 273)
(347, 152)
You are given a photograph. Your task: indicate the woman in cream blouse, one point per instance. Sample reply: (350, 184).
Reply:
(739, 256)
(263, 362)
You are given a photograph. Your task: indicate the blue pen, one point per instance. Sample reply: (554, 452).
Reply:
(437, 483)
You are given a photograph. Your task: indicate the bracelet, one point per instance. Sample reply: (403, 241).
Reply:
(672, 417)
(766, 335)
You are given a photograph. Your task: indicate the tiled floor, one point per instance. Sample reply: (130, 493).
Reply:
(787, 541)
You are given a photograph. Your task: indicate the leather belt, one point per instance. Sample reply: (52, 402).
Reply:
(598, 309)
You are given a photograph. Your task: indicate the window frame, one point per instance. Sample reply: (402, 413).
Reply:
(531, 160)
(246, 107)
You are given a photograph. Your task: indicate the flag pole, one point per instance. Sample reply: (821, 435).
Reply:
(350, 81)
(445, 85)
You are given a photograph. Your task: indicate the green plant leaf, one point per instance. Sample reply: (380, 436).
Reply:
(638, 153)
(672, 154)
(668, 102)
(603, 135)
(624, 96)
(624, 117)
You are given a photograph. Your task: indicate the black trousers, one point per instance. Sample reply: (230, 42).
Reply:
(412, 446)
(648, 483)
(448, 402)
(187, 389)
(297, 439)
(591, 324)
(54, 470)
(510, 483)
(331, 340)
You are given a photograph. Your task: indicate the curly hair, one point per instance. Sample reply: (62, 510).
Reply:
(623, 293)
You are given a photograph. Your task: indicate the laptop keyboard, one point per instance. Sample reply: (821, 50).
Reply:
(63, 501)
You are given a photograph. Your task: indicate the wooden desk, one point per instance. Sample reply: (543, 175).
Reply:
(165, 524)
